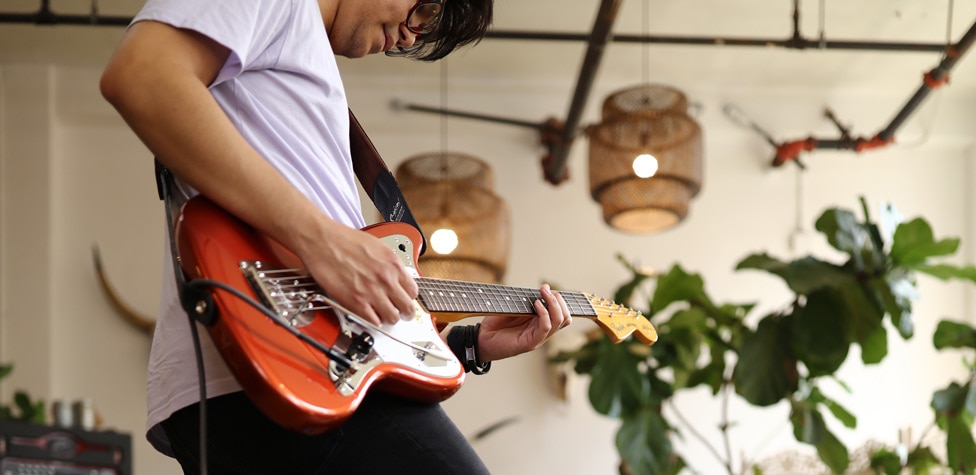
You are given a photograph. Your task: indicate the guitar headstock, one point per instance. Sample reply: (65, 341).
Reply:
(619, 322)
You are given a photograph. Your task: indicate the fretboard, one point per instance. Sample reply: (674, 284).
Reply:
(449, 296)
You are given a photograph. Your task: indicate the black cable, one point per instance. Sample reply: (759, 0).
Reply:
(164, 181)
(202, 382)
(200, 284)
(340, 359)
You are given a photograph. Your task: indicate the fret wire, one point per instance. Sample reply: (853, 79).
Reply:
(482, 297)
(455, 291)
(445, 295)
(494, 297)
(472, 297)
(511, 303)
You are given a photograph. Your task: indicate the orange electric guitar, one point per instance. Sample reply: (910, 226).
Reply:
(305, 361)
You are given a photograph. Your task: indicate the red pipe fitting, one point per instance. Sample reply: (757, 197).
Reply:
(791, 150)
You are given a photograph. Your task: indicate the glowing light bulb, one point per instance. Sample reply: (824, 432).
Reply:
(645, 165)
(444, 241)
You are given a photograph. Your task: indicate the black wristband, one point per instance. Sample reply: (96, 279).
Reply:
(463, 341)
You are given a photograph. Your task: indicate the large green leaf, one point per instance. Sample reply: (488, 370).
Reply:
(679, 286)
(946, 271)
(820, 331)
(839, 412)
(766, 371)
(808, 424)
(617, 386)
(895, 292)
(809, 428)
(691, 319)
(712, 375)
(803, 276)
(971, 397)
(626, 291)
(731, 314)
(688, 346)
(5, 369)
(30, 411)
(584, 358)
(960, 447)
(951, 400)
(914, 243)
(861, 309)
(643, 443)
(886, 462)
(846, 234)
(921, 461)
(833, 453)
(874, 347)
(949, 334)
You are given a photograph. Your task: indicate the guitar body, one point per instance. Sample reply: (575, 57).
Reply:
(293, 382)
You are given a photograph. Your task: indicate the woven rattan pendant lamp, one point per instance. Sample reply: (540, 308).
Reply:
(452, 197)
(467, 224)
(645, 158)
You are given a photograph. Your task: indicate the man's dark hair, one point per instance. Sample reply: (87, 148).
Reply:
(462, 22)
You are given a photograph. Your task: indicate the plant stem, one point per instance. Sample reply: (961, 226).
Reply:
(698, 436)
(724, 427)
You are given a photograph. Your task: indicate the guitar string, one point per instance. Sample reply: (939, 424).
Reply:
(292, 284)
(291, 279)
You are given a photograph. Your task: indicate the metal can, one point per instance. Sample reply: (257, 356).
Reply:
(61, 413)
(83, 414)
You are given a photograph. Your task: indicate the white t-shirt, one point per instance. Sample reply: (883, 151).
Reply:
(281, 89)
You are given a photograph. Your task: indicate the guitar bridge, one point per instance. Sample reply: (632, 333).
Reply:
(290, 294)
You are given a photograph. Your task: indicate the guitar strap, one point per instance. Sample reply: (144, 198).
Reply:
(377, 180)
(372, 172)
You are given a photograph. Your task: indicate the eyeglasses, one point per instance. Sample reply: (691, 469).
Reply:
(424, 17)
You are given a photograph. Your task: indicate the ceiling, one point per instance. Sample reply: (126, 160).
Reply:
(691, 66)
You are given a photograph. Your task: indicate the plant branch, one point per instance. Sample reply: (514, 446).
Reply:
(698, 435)
(726, 388)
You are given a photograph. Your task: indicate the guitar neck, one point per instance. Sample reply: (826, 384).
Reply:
(451, 300)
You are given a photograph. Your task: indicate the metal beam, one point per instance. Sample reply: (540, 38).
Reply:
(790, 43)
(555, 162)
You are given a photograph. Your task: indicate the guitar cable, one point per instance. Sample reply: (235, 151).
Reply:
(202, 384)
(199, 307)
(164, 184)
(198, 285)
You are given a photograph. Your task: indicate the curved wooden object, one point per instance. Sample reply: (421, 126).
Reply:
(141, 322)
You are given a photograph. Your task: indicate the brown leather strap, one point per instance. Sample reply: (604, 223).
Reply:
(366, 161)
(377, 180)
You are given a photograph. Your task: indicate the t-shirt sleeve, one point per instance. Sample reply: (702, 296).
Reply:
(251, 29)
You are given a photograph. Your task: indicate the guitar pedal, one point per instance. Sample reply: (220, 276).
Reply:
(32, 449)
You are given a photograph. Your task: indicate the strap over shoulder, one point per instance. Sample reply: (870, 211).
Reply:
(379, 183)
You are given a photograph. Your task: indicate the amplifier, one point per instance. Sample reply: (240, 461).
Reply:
(32, 449)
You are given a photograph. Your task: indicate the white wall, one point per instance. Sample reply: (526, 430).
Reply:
(73, 176)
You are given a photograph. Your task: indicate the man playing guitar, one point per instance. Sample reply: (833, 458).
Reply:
(242, 101)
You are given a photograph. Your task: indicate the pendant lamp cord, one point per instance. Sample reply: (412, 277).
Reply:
(443, 107)
(645, 43)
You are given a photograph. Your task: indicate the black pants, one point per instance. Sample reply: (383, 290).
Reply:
(386, 435)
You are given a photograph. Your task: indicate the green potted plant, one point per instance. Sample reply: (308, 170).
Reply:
(24, 408)
(784, 357)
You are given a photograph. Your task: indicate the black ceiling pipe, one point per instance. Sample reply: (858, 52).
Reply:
(44, 16)
(789, 151)
(791, 43)
(935, 78)
(555, 162)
